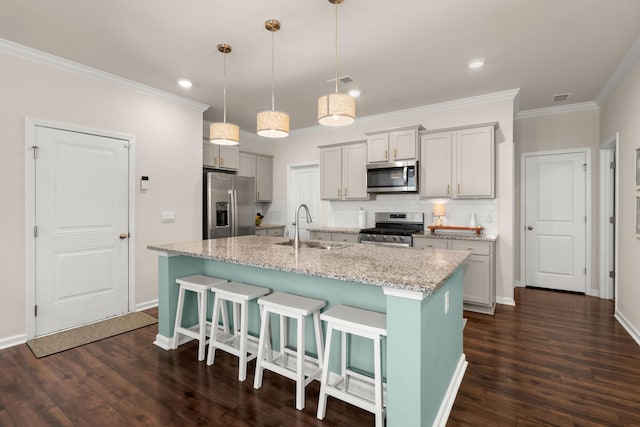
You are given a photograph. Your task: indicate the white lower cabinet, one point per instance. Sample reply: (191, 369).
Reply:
(333, 237)
(479, 292)
(274, 232)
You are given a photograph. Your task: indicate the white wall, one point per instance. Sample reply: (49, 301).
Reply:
(578, 129)
(168, 150)
(303, 147)
(619, 113)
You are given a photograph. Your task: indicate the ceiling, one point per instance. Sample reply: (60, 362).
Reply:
(403, 54)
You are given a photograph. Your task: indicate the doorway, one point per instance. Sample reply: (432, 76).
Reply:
(608, 213)
(303, 186)
(80, 251)
(556, 237)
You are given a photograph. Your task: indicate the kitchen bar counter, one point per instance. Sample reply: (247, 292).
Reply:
(419, 290)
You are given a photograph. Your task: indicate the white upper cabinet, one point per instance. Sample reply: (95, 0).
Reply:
(261, 168)
(458, 163)
(343, 172)
(393, 145)
(220, 156)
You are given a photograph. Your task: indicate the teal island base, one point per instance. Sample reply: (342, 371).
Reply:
(423, 352)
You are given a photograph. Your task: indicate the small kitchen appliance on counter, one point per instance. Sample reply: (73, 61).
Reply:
(393, 229)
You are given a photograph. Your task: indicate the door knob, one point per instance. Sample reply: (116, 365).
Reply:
(529, 228)
(124, 235)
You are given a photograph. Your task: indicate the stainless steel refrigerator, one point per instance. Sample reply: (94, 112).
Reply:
(228, 205)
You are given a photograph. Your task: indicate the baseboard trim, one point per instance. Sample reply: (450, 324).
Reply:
(593, 293)
(505, 301)
(518, 284)
(452, 392)
(146, 305)
(13, 341)
(165, 343)
(635, 334)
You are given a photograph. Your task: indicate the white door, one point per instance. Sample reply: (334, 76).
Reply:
(81, 215)
(303, 187)
(555, 221)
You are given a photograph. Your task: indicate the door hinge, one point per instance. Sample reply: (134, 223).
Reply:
(585, 219)
(585, 270)
(35, 231)
(612, 274)
(585, 167)
(612, 220)
(35, 151)
(126, 145)
(35, 310)
(612, 165)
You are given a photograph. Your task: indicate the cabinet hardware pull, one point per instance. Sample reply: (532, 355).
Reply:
(385, 155)
(458, 188)
(448, 188)
(215, 161)
(338, 192)
(395, 153)
(221, 161)
(258, 195)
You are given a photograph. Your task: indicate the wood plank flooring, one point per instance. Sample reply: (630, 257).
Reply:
(555, 359)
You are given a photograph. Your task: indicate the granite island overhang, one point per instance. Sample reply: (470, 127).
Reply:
(419, 290)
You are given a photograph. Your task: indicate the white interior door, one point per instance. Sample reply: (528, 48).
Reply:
(81, 215)
(303, 187)
(555, 221)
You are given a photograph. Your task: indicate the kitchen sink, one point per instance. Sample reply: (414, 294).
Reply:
(313, 244)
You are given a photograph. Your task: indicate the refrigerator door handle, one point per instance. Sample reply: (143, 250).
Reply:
(232, 220)
(234, 212)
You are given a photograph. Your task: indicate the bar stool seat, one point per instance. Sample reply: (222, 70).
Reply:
(200, 285)
(299, 308)
(367, 324)
(236, 342)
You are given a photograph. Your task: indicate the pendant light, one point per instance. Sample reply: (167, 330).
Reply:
(336, 109)
(272, 123)
(223, 133)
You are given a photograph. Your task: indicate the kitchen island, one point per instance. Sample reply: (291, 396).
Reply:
(419, 290)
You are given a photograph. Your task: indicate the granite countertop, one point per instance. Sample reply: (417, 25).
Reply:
(406, 269)
(458, 236)
(264, 226)
(342, 230)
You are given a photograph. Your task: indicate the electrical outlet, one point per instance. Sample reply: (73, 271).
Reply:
(446, 302)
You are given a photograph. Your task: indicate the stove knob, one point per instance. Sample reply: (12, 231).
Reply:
(384, 238)
(395, 239)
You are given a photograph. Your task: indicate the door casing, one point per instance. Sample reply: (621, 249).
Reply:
(30, 127)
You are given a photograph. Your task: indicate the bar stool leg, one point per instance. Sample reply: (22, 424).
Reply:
(319, 346)
(264, 338)
(214, 331)
(378, 381)
(242, 345)
(300, 394)
(322, 400)
(178, 322)
(284, 339)
(344, 358)
(202, 324)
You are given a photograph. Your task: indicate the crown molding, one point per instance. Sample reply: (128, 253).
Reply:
(511, 94)
(627, 63)
(40, 57)
(559, 109)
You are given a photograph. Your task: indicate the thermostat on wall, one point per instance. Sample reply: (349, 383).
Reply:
(144, 183)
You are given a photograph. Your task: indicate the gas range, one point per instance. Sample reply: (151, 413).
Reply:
(393, 228)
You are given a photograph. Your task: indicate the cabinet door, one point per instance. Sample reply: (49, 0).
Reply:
(344, 237)
(474, 166)
(264, 179)
(229, 157)
(320, 235)
(262, 232)
(426, 243)
(378, 148)
(435, 165)
(403, 144)
(331, 173)
(276, 232)
(477, 274)
(209, 154)
(354, 172)
(246, 164)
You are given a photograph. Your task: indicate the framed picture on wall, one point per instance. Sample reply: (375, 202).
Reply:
(638, 217)
(637, 168)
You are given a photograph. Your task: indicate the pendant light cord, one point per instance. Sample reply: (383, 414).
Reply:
(273, 67)
(336, 47)
(224, 90)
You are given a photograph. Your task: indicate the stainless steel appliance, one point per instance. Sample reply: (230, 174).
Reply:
(228, 205)
(392, 177)
(393, 228)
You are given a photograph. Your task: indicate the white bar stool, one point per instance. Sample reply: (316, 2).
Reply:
(295, 307)
(198, 284)
(235, 343)
(364, 323)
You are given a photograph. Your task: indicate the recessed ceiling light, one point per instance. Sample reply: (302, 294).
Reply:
(476, 63)
(354, 92)
(185, 83)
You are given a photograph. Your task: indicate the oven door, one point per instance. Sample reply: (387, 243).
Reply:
(397, 245)
(392, 177)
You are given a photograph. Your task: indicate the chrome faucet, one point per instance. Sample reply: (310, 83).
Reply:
(296, 236)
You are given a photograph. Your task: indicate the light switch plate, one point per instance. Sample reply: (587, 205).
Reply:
(168, 216)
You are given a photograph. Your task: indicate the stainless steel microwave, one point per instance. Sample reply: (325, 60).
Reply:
(392, 177)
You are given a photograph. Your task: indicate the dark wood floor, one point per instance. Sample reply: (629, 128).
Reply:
(555, 359)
